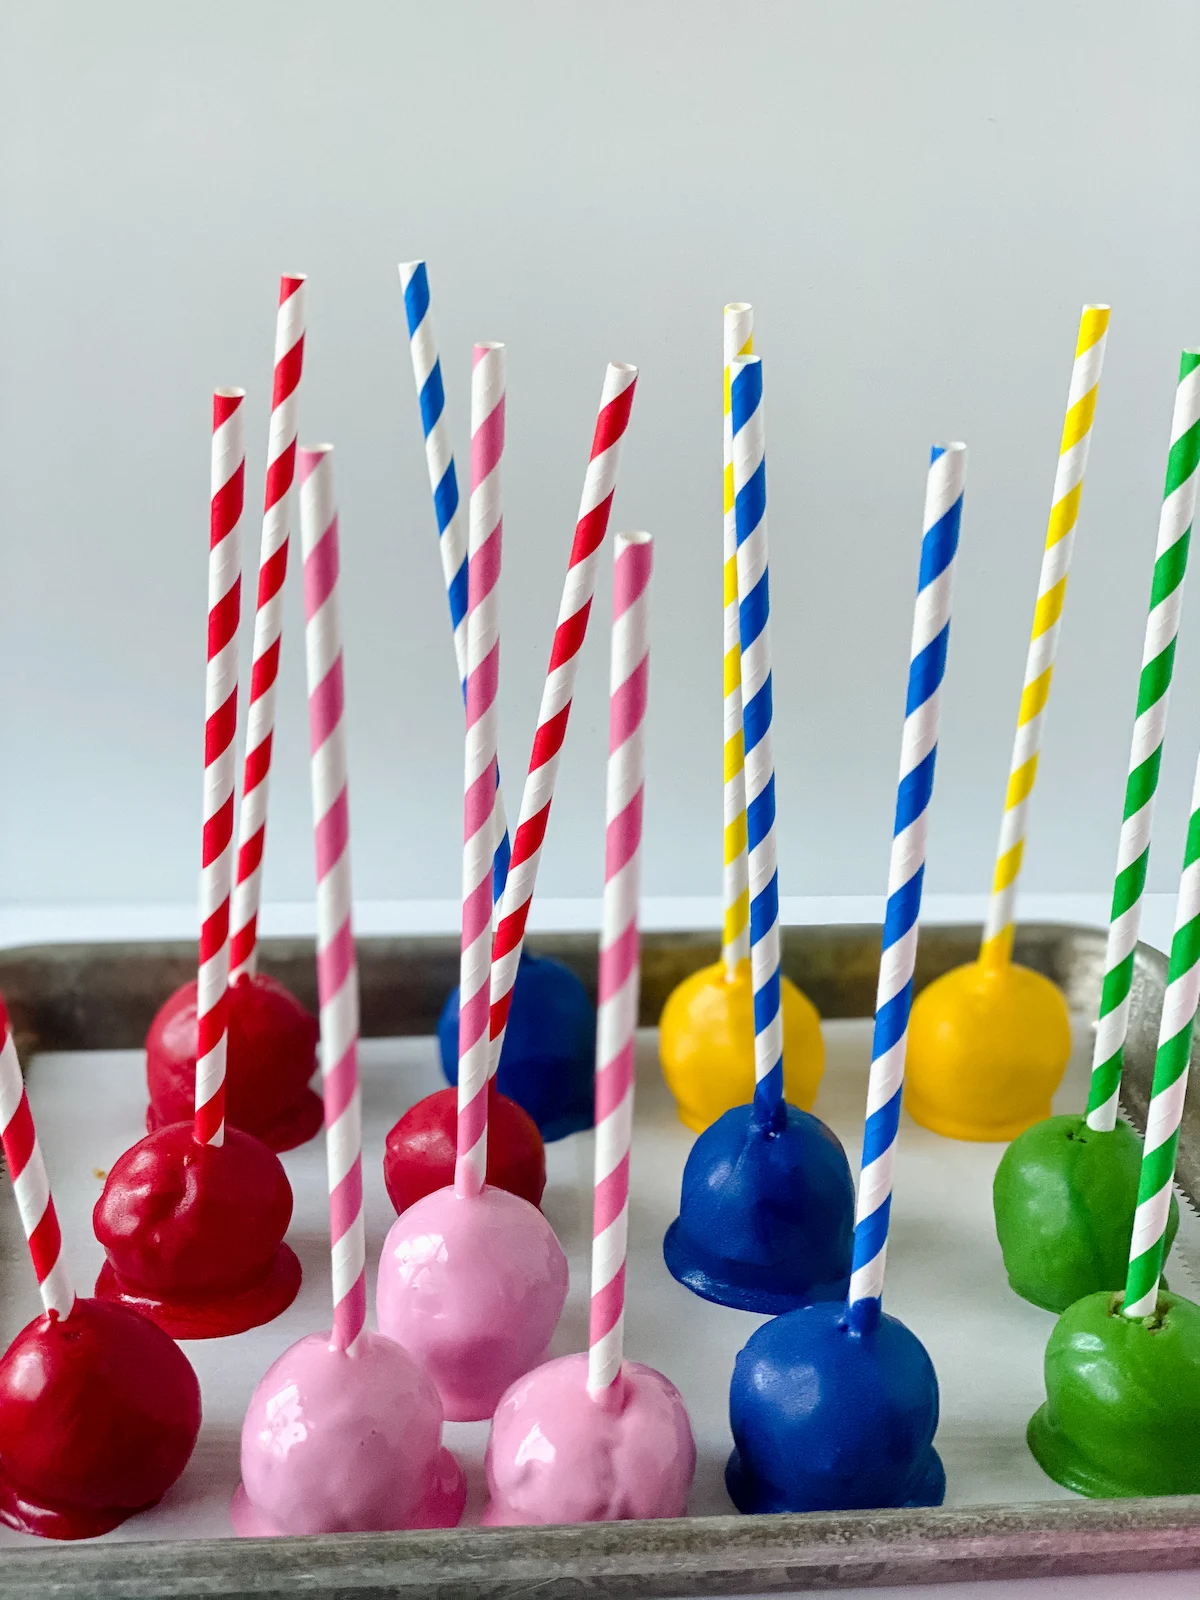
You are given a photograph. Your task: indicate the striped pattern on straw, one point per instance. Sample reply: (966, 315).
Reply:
(906, 872)
(220, 769)
(750, 511)
(616, 1019)
(1043, 642)
(268, 624)
(595, 506)
(486, 531)
(31, 1186)
(1148, 1244)
(337, 969)
(735, 937)
(443, 485)
(1154, 685)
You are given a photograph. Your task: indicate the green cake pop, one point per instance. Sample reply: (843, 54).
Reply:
(1065, 1191)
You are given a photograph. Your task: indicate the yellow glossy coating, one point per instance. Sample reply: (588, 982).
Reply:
(706, 1045)
(988, 1044)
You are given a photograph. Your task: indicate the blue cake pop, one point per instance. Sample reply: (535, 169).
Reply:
(548, 1062)
(834, 1408)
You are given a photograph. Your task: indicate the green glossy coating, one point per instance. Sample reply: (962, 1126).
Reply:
(1064, 1198)
(1122, 1415)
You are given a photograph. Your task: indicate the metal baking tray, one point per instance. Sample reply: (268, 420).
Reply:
(71, 998)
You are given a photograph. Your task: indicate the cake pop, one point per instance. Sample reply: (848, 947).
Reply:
(766, 1209)
(1122, 1410)
(1066, 1189)
(419, 1153)
(706, 1031)
(99, 1410)
(548, 1060)
(835, 1407)
(593, 1438)
(192, 1218)
(989, 1041)
(472, 1280)
(343, 1434)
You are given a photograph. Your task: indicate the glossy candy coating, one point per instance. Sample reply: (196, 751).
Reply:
(98, 1417)
(337, 1443)
(272, 1054)
(987, 1047)
(1064, 1198)
(557, 1455)
(706, 1045)
(418, 1156)
(766, 1219)
(193, 1233)
(472, 1287)
(1122, 1413)
(828, 1418)
(548, 1062)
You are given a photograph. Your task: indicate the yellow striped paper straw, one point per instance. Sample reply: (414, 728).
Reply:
(1039, 663)
(735, 939)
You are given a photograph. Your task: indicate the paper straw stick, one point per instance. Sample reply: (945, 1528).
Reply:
(906, 872)
(750, 510)
(337, 968)
(735, 938)
(485, 534)
(616, 1018)
(1039, 662)
(574, 609)
(268, 624)
(1154, 685)
(1147, 1246)
(220, 767)
(443, 484)
(30, 1184)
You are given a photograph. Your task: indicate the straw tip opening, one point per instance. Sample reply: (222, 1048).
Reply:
(229, 394)
(736, 308)
(638, 537)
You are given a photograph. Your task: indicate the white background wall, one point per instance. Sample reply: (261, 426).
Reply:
(916, 198)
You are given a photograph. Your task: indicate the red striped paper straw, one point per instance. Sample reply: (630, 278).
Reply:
(595, 506)
(220, 727)
(337, 969)
(485, 528)
(616, 1019)
(268, 622)
(30, 1184)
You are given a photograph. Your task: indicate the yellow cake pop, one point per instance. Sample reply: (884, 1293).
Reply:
(988, 1043)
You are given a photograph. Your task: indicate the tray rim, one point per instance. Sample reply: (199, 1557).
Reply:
(691, 1556)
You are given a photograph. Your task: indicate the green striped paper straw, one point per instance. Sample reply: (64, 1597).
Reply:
(1158, 660)
(1146, 1248)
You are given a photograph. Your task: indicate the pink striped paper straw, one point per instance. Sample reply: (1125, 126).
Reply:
(337, 969)
(599, 482)
(30, 1184)
(616, 1019)
(220, 727)
(268, 622)
(485, 529)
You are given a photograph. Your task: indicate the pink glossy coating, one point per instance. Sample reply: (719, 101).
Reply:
(341, 1443)
(556, 1454)
(473, 1287)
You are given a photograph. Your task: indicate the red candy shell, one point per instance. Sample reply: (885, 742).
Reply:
(419, 1155)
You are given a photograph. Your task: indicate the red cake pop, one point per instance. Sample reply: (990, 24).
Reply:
(420, 1150)
(99, 1410)
(192, 1220)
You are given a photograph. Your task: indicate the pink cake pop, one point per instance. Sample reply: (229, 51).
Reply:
(594, 1438)
(343, 1434)
(192, 1218)
(272, 1046)
(99, 1410)
(472, 1280)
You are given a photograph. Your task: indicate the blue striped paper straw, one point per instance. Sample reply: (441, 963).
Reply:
(754, 608)
(443, 484)
(906, 872)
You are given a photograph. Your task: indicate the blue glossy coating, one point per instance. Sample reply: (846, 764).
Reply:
(766, 1214)
(548, 1063)
(827, 1417)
